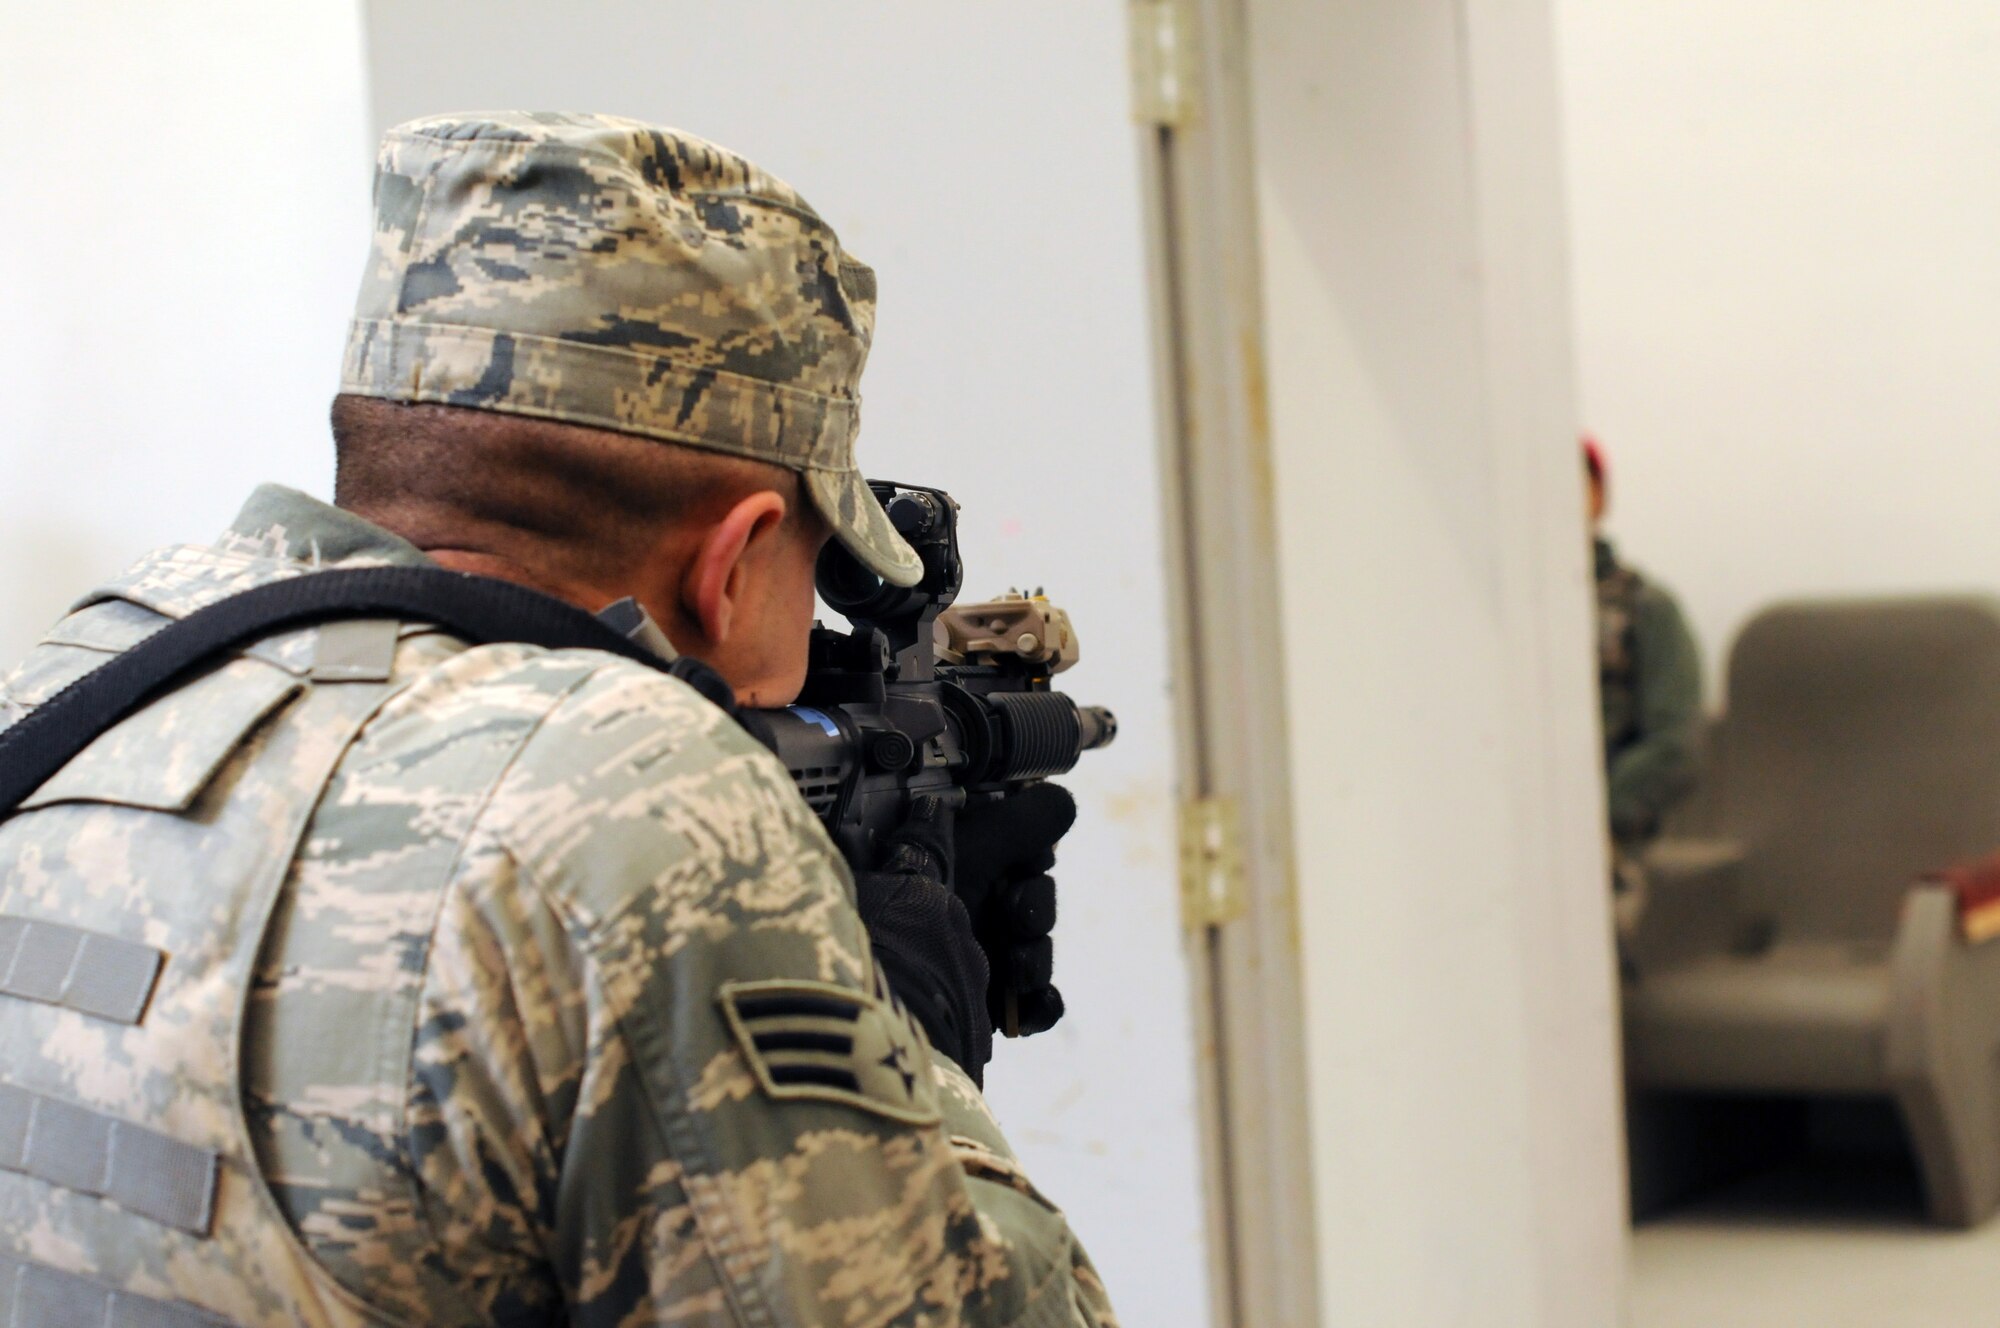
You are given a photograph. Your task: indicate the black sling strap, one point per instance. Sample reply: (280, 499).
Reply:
(476, 608)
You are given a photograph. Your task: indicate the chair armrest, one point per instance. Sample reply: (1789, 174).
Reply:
(1974, 886)
(1670, 862)
(1692, 888)
(1940, 1043)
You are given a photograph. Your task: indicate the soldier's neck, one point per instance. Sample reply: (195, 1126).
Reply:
(583, 594)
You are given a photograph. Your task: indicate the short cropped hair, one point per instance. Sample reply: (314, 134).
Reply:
(588, 501)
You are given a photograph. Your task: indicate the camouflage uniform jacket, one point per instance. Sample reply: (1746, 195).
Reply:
(556, 1010)
(1649, 679)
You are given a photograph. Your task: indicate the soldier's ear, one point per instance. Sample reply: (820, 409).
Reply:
(719, 578)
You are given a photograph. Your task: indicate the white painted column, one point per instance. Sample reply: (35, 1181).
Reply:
(1440, 673)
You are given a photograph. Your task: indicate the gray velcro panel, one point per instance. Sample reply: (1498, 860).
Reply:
(14, 1119)
(85, 971)
(138, 1169)
(68, 1146)
(356, 650)
(163, 1178)
(33, 1295)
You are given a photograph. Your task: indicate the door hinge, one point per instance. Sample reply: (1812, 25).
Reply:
(1163, 66)
(1213, 890)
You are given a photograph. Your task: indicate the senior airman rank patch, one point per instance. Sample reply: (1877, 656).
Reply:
(818, 1041)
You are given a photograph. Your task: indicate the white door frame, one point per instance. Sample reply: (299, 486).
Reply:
(1240, 904)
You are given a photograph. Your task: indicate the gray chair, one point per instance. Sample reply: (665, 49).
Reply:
(1790, 946)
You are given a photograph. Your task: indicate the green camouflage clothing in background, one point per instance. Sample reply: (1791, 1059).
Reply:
(1649, 679)
(562, 1014)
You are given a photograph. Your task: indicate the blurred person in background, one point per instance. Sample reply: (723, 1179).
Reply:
(1649, 683)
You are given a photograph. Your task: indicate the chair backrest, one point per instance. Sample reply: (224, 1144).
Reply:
(1861, 747)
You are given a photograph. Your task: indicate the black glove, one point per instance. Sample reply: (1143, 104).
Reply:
(1005, 849)
(923, 938)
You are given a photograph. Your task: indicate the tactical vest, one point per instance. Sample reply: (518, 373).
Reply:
(1618, 592)
(135, 889)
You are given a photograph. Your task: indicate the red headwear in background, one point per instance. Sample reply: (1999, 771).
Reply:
(1593, 460)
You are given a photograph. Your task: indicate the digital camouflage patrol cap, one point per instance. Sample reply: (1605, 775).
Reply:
(604, 272)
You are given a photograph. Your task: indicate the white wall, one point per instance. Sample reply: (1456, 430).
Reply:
(1468, 1154)
(1788, 290)
(981, 158)
(184, 228)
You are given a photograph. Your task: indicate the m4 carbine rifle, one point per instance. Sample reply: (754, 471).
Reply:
(924, 696)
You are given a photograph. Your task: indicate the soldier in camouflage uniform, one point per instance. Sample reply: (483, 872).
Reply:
(1649, 681)
(370, 978)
